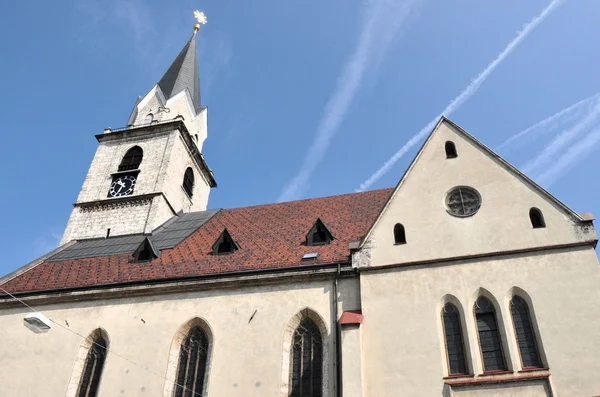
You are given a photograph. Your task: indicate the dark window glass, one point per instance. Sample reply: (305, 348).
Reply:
(399, 234)
(450, 150)
(489, 336)
(319, 236)
(92, 370)
(536, 218)
(307, 361)
(132, 159)
(524, 331)
(454, 340)
(188, 182)
(192, 364)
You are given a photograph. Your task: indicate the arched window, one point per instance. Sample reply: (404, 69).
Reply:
(306, 367)
(490, 341)
(450, 150)
(132, 159)
(188, 182)
(192, 366)
(536, 218)
(519, 310)
(92, 369)
(454, 340)
(149, 118)
(399, 234)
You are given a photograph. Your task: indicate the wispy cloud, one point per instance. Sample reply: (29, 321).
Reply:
(464, 95)
(574, 154)
(566, 148)
(383, 21)
(563, 139)
(553, 122)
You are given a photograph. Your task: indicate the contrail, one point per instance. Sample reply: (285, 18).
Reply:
(554, 148)
(554, 121)
(464, 95)
(574, 154)
(383, 21)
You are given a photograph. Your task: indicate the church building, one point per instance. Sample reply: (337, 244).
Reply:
(466, 279)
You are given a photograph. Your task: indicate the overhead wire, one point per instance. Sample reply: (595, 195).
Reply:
(109, 351)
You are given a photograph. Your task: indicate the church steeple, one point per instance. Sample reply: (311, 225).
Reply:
(183, 74)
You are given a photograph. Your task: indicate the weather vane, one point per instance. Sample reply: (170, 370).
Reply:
(201, 18)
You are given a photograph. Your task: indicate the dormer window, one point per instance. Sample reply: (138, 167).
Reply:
(132, 159)
(225, 245)
(145, 252)
(319, 234)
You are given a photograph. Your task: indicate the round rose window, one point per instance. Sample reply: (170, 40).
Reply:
(463, 201)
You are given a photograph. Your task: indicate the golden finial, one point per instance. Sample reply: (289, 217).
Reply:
(201, 18)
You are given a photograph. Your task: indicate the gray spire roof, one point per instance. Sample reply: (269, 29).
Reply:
(182, 74)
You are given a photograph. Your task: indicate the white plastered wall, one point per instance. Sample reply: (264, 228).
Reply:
(246, 353)
(403, 334)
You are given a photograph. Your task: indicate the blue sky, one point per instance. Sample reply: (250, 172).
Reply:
(306, 98)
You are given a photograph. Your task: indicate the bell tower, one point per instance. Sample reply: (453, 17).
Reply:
(148, 171)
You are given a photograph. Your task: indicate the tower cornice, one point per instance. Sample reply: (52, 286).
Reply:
(161, 127)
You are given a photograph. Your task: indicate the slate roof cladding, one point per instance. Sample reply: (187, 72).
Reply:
(270, 237)
(183, 73)
(166, 236)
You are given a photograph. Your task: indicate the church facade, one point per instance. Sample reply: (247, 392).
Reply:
(466, 279)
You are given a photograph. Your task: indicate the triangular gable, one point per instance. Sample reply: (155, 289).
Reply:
(490, 153)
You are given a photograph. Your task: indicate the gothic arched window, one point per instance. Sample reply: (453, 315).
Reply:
(193, 363)
(450, 150)
(454, 340)
(92, 369)
(132, 159)
(399, 234)
(536, 218)
(490, 341)
(530, 357)
(306, 367)
(188, 182)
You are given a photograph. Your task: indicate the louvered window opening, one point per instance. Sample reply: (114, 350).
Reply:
(192, 364)
(450, 150)
(489, 336)
(132, 159)
(94, 363)
(188, 182)
(525, 335)
(307, 361)
(319, 236)
(454, 340)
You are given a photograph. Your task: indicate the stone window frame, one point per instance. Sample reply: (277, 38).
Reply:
(174, 351)
(286, 357)
(466, 336)
(79, 365)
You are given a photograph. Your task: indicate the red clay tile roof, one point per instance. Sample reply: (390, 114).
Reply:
(351, 317)
(270, 236)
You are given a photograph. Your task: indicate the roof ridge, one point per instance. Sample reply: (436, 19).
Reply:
(309, 199)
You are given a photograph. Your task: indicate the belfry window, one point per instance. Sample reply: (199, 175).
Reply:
(306, 368)
(490, 341)
(193, 362)
(132, 159)
(92, 369)
(536, 218)
(225, 244)
(188, 182)
(450, 150)
(319, 234)
(453, 337)
(399, 234)
(519, 310)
